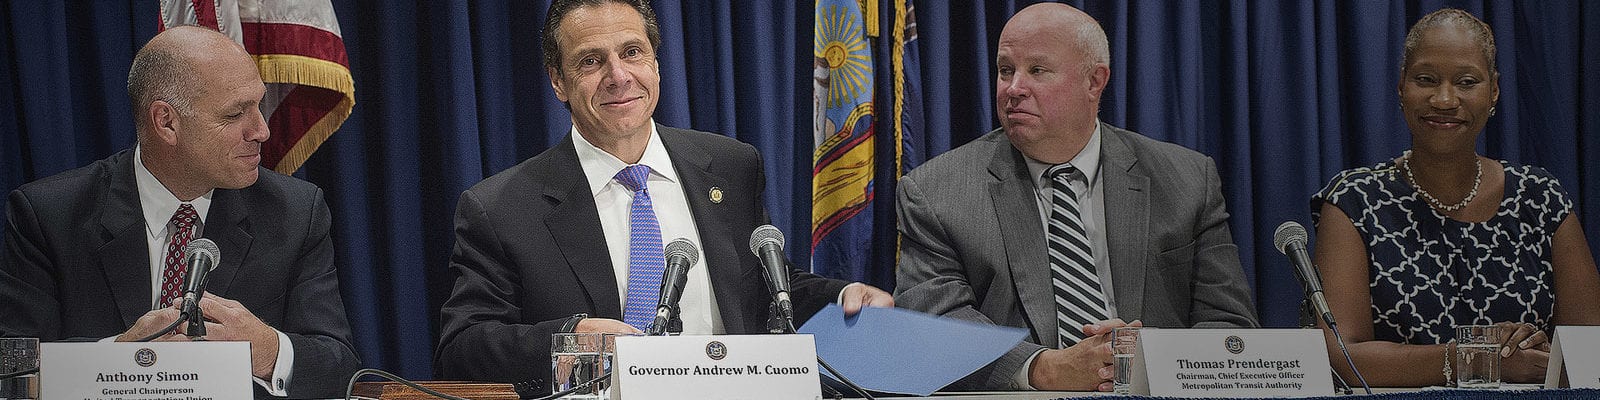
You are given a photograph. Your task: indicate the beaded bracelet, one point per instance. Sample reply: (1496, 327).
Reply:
(1448, 373)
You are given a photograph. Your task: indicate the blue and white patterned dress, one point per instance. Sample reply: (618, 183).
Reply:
(1430, 273)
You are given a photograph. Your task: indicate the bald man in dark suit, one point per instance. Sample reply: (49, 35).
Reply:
(90, 253)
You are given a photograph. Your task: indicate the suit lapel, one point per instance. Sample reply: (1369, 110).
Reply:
(228, 224)
(1127, 201)
(575, 224)
(1017, 210)
(124, 255)
(693, 165)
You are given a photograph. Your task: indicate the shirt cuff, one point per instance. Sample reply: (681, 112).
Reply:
(840, 299)
(1021, 378)
(282, 371)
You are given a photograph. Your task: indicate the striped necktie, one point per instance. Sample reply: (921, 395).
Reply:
(1079, 300)
(645, 258)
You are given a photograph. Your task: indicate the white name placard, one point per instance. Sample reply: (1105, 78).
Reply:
(1231, 363)
(1576, 350)
(155, 370)
(716, 367)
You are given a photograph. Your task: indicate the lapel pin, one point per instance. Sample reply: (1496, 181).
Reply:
(716, 195)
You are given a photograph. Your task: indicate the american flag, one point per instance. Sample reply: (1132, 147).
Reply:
(297, 47)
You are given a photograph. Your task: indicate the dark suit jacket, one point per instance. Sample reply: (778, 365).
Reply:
(972, 246)
(530, 253)
(77, 265)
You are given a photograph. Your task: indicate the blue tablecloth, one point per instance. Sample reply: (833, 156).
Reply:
(1458, 394)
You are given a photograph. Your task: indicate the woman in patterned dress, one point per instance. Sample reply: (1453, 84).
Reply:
(1442, 236)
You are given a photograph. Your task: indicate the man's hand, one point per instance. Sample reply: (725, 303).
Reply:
(604, 325)
(1083, 366)
(150, 322)
(857, 295)
(227, 320)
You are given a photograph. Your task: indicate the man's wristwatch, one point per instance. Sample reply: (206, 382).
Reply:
(572, 323)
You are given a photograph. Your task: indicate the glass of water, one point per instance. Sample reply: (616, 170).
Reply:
(18, 355)
(1478, 356)
(1124, 343)
(577, 359)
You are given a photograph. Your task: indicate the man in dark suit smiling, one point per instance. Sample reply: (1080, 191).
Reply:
(97, 252)
(571, 239)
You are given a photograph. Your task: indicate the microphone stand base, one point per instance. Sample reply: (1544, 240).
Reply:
(777, 322)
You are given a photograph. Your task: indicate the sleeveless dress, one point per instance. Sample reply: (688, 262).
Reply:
(1429, 273)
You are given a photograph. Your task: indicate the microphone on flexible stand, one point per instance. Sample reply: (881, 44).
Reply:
(203, 256)
(1290, 239)
(767, 244)
(681, 255)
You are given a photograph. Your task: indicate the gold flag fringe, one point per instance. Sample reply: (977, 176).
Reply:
(307, 71)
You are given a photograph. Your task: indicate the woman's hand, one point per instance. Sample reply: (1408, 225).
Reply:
(1524, 353)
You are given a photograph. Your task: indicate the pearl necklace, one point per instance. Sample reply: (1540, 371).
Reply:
(1476, 180)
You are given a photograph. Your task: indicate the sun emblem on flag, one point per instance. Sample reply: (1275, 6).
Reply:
(840, 43)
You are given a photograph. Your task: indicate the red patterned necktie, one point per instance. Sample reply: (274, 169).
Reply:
(172, 274)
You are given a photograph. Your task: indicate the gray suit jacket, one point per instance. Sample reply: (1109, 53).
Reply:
(972, 246)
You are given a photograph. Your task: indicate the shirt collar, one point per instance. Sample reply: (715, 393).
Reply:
(158, 203)
(1087, 160)
(600, 167)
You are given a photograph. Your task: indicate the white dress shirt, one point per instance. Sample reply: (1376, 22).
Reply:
(1091, 209)
(614, 202)
(159, 204)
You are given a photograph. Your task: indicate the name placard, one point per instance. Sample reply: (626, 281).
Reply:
(1231, 363)
(1578, 348)
(155, 370)
(716, 367)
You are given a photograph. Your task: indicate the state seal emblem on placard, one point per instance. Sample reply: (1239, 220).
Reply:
(144, 357)
(1234, 344)
(716, 350)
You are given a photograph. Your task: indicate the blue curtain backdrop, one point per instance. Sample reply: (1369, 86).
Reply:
(1282, 94)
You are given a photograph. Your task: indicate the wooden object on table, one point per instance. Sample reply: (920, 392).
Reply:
(470, 390)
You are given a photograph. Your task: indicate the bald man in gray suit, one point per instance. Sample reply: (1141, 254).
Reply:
(1148, 221)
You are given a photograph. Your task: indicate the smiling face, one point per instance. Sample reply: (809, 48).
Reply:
(1447, 88)
(608, 74)
(221, 141)
(199, 119)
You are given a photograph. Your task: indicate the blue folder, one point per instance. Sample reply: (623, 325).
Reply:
(894, 350)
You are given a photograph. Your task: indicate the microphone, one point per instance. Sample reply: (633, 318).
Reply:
(1290, 239)
(203, 256)
(767, 243)
(681, 254)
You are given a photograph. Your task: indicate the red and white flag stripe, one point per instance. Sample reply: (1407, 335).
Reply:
(301, 55)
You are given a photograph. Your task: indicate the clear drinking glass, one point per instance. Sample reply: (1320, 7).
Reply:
(16, 355)
(1124, 342)
(578, 358)
(1478, 356)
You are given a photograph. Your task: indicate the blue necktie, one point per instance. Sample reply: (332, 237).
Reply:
(645, 258)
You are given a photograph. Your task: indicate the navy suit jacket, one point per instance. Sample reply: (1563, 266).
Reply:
(77, 265)
(530, 253)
